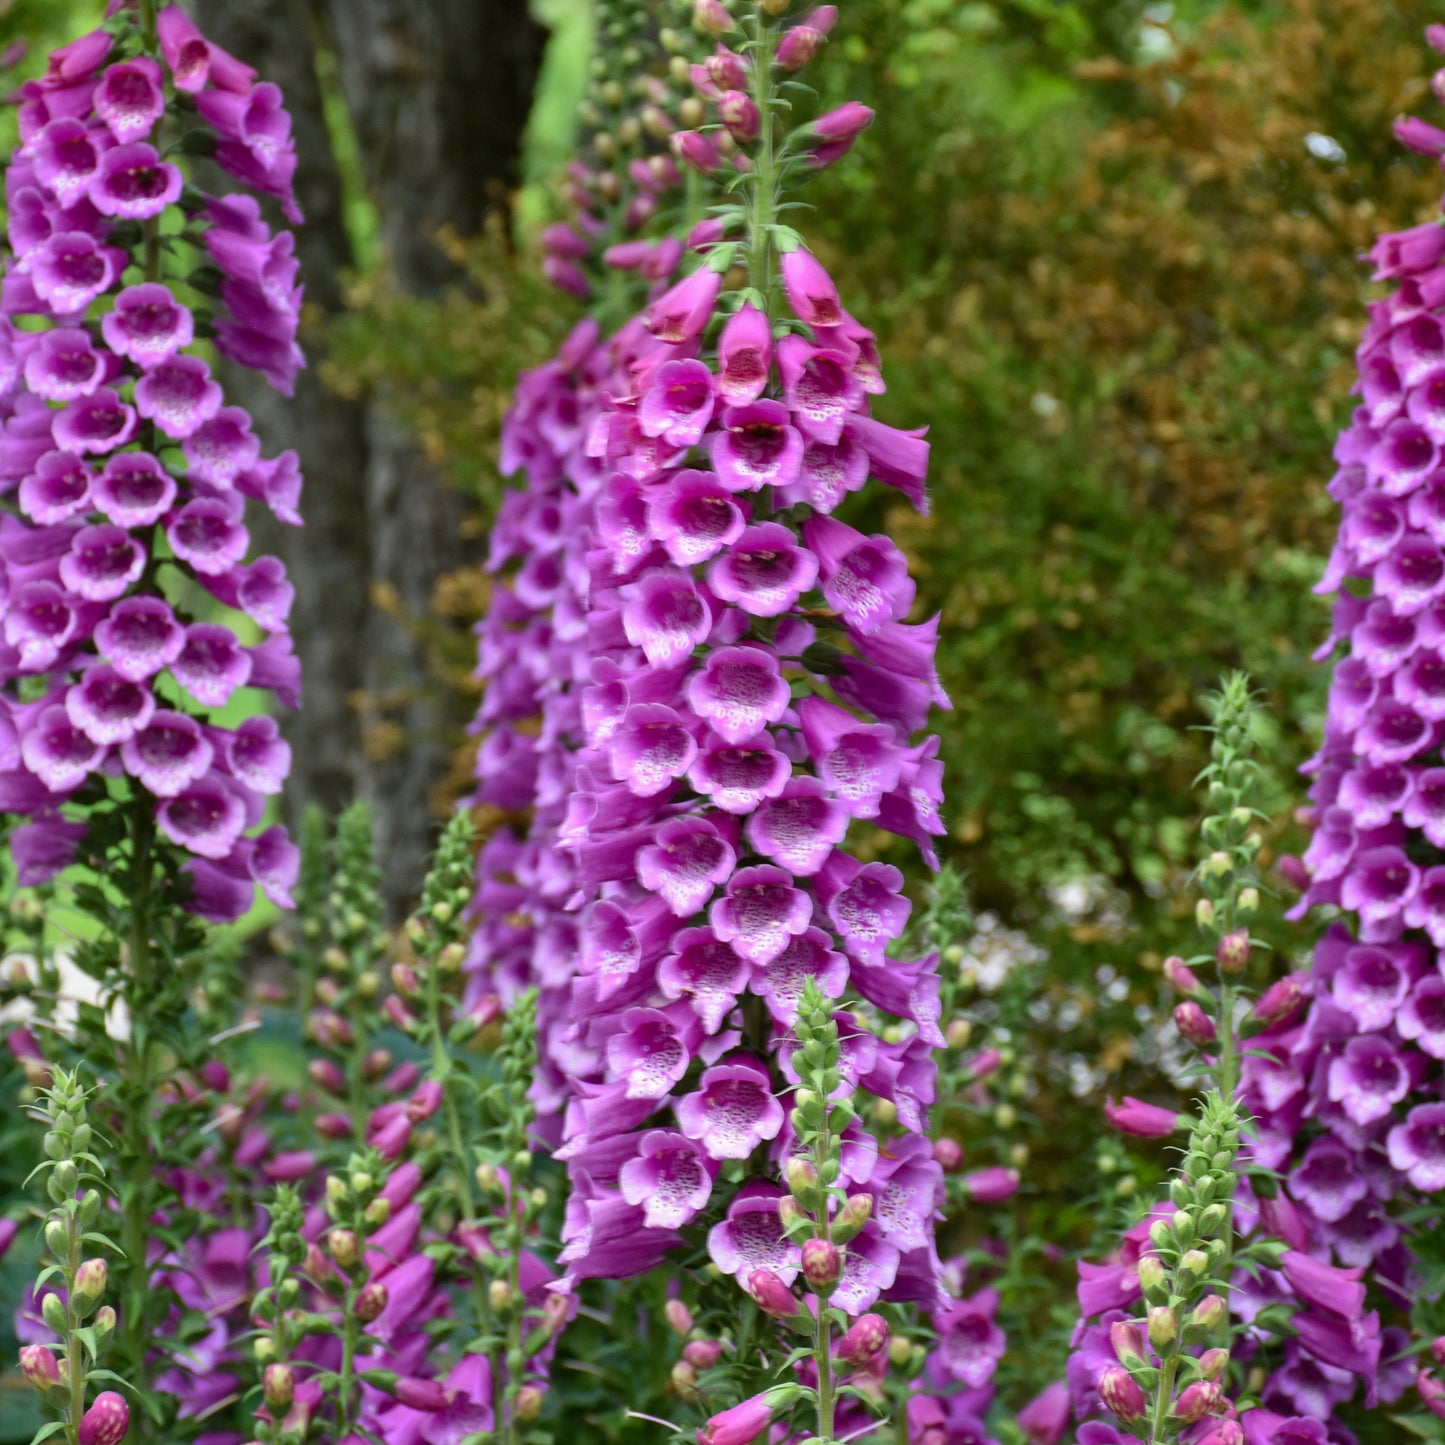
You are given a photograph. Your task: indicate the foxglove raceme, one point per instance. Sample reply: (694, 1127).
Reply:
(124, 471)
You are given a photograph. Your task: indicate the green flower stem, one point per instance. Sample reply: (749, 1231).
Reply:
(762, 211)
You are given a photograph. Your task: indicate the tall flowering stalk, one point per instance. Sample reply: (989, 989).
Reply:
(1349, 1092)
(1188, 1291)
(123, 542)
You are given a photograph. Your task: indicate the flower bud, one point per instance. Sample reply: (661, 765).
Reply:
(712, 18)
(1213, 1363)
(678, 1316)
(771, 1295)
(1120, 1392)
(499, 1295)
(1163, 1326)
(799, 46)
(341, 1245)
(377, 1212)
(1209, 1313)
(1196, 1401)
(725, 70)
(57, 1237)
(1232, 952)
(1204, 913)
(694, 149)
(89, 1284)
(52, 1311)
(528, 1404)
(949, 1154)
(405, 981)
(1248, 902)
(38, 1366)
(684, 1380)
(740, 115)
(1195, 1261)
(107, 1420)
(104, 1322)
(864, 1338)
(801, 1175)
(959, 1033)
(1128, 1341)
(1181, 977)
(822, 1264)
(1151, 1273)
(370, 1301)
(852, 1217)
(1279, 1000)
(992, 1185)
(278, 1386)
(429, 1396)
(1194, 1024)
(702, 1354)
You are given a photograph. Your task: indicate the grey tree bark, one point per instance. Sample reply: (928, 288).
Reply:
(438, 92)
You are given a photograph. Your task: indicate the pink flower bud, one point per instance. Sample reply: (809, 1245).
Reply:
(864, 1338)
(739, 1426)
(835, 132)
(370, 1302)
(1196, 1401)
(726, 70)
(1232, 952)
(1210, 1312)
(1143, 1121)
(1293, 871)
(711, 16)
(341, 1245)
(706, 234)
(428, 1396)
(799, 46)
(852, 1217)
(1120, 1392)
(278, 1387)
(740, 115)
(1194, 1024)
(1127, 1340)
(771, 1295)
(1213, 1363)
(332, 1126)
(678, 1316)
(403, 975)
(702, 1354)
(694, 149)
(984, 1063)
(1181, 977)
(949, 1154)
(326, 1074)
(810, 290)
(1419, 135)
(992, 1185)
(90, 1279)
(38, 1366)
(1432, 1393)
(107, 1420)
(1280, 999)
(425, 1102)
(1227, 1432)
(822, 1263)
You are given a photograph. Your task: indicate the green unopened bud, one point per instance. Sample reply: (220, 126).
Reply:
(52, 1311)
(89, 1283)
(1163, 1326)
(900, 1351)
(790, 1212)
(851, 1218)
(103, 1323)
(958, 1033)
(528, 1404)
(377, 1212)
(488, 1178)
(451, 958)
(1209, 1313)
(1161, 1234)
(1204, 913)
(264, 1350)
(362, 1182)
(57, 1237)
(1151, 1274)
(499, 1296)
(64, 1180)
(341, 1245)
(336, 1190)
(1195, 1261)
(801, 1175)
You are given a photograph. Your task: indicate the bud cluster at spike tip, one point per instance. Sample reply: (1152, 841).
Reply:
(123, 467)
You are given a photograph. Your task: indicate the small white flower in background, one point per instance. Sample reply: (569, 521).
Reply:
(75, 987)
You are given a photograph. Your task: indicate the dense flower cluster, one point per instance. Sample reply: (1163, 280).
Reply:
(128, 474)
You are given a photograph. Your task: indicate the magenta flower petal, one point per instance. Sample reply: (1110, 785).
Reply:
(148, 325)
(134, 489)
(168, 755)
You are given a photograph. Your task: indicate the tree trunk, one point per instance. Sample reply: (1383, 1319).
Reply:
(438, 92)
